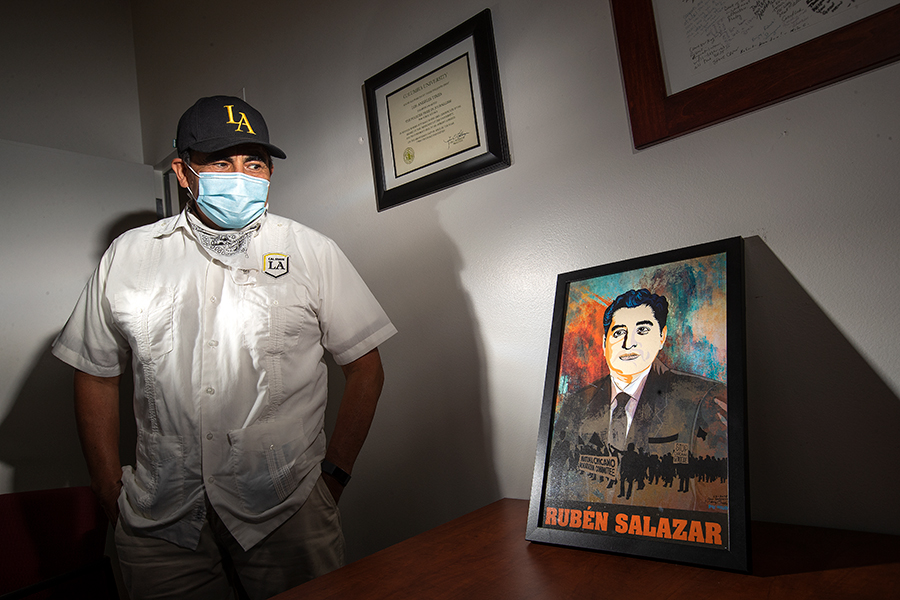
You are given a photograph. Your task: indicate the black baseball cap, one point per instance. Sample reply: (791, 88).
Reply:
(220, 122)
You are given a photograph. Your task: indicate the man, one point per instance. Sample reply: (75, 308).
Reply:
(643, 412)
(226, 311)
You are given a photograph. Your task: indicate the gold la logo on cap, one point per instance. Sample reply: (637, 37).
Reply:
(241, 123)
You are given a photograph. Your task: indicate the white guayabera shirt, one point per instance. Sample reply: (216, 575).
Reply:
(230, 385)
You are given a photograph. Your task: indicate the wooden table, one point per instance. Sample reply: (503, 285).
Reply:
(485, 555)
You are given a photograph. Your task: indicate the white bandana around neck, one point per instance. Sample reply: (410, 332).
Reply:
(224, 244)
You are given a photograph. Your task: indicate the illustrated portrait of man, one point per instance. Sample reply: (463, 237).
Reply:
(666, 429)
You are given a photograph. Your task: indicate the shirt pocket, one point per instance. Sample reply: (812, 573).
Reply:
(276, 321)
(147, 318)
(157, 489)
(268, 461)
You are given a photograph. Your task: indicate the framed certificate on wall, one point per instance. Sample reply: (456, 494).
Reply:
(436, 117)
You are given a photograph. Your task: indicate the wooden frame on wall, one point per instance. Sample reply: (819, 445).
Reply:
(656, 117)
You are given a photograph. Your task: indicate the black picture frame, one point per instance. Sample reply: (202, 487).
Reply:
(475, 36)
(656, 116)
(681, 413)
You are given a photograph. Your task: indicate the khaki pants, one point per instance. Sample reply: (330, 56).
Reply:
(307, 545)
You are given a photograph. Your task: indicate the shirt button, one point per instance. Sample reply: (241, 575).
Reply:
(210, 479)
(212, 299)
(210, 391)
(209, 436)
(212, 343)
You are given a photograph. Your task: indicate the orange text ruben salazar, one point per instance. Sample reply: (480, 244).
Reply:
(704, 532)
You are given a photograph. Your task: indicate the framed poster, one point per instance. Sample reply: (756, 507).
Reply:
(641, 447)
(436, 117)
(657, 115)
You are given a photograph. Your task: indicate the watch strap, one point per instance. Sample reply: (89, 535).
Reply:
(340, 475)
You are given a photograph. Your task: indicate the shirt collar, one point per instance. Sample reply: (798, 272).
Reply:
(633, 389)
(244, 261)
(168, 226)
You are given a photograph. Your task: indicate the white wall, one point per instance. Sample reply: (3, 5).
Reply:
(60, 211)
(67, 77)
(468, 274)
(71, 177)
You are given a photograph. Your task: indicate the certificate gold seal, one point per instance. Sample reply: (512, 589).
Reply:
(409, 155)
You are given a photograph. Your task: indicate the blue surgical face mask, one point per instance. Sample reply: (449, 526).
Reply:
(231, 200)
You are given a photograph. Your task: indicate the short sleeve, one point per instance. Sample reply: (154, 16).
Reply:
(90, 341)
(352, 321)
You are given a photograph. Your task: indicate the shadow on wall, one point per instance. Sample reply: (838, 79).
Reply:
(38, 437)
(428, 458)
(822, 423)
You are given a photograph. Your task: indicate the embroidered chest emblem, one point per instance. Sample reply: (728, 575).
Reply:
(275, 264)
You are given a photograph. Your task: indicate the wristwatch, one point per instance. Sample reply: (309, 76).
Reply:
(340, 475)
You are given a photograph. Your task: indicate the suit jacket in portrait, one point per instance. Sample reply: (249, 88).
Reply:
(676, 411)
